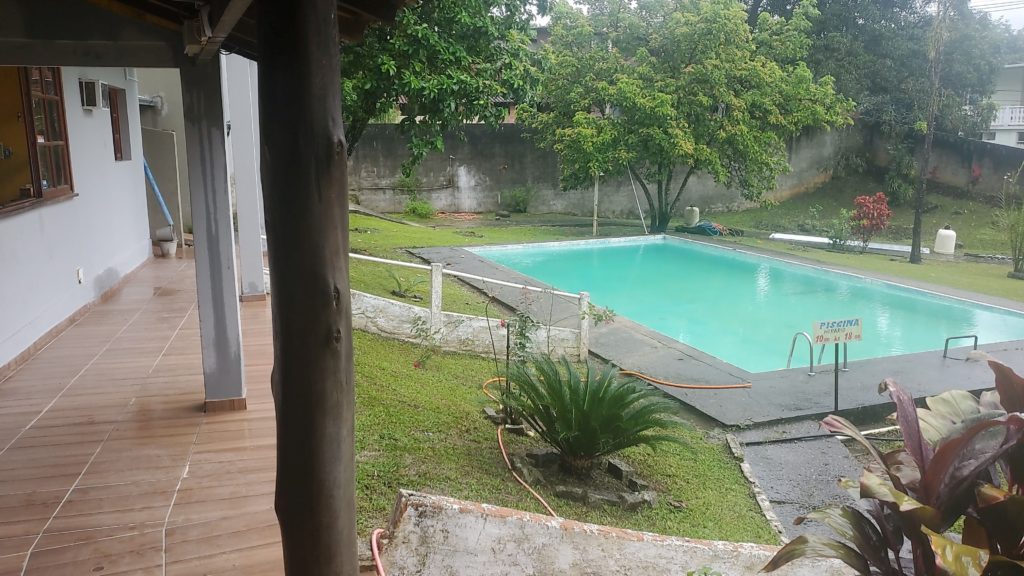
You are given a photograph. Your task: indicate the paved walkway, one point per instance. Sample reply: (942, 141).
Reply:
(108, 464)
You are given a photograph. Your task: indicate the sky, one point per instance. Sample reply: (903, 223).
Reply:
(1011, 10)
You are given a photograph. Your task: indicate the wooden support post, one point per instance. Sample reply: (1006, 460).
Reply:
(436, 318)
(584, 326)
(304, 167)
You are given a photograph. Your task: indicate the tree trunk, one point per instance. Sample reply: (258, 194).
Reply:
(651, 208)
(938, 39)
(306, 207)
(753, 12)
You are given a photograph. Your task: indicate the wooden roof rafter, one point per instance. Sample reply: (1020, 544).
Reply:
(232, 24)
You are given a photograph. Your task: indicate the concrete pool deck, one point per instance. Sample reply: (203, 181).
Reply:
(773, 396)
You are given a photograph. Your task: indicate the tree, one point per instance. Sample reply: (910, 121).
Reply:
(936, 46)
(871, 216)
(664, 89)
(878, 53)
(881, 55)
(449, 59)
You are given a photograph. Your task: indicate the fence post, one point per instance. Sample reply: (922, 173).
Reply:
(436, 320)
(584, 326)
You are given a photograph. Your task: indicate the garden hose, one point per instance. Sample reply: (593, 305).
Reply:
(375, 536)
(653, 380)
(375, 550)
(504, 454)
(488, 392)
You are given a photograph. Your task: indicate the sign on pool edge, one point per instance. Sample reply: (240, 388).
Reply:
(837, 331)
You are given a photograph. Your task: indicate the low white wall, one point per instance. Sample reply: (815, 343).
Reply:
(104, 230)
(461, 333)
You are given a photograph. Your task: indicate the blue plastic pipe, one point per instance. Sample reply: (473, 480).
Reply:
(157, 194)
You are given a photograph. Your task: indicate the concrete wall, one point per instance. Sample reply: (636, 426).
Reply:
(461, 333)
(103, 230)
(434, 535)
(976, 167)
(160, 147)
(489, 162)
(164, 86)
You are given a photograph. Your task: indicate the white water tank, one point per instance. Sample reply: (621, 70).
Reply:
(945, 241)
(691, 215)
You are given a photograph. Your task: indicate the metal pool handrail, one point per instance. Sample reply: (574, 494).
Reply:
(821, 354)
(810, 349)
(945, 349)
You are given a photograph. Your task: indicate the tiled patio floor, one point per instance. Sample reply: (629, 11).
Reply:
(108, 464)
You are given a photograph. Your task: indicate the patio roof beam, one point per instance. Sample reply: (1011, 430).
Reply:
(232, 12)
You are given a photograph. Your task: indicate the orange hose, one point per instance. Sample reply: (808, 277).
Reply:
(685, 386)
(375, 550)
(508, 463)
(487, 392)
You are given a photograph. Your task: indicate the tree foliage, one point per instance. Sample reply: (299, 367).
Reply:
(913, 67)
(870, 217)
(665, 89)
(448, 58)
(877, 52)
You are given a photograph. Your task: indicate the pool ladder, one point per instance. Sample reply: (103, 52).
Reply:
(810, 352)
(822, 353)
(945, 349)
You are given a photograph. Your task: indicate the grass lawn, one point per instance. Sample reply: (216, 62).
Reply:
(423, 430)
(806, 214)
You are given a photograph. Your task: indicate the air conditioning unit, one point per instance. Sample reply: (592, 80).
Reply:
(95, 94)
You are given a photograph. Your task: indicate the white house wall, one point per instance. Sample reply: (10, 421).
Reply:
(1009, 87)
(1006, 137)
(104, 230)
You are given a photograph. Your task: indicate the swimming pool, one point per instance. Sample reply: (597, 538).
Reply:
(744, 308)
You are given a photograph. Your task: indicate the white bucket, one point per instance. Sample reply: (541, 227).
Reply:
(945, 241)
(168, 248)
(691, 215)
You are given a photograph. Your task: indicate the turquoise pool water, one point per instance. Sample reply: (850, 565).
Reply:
(744, 308)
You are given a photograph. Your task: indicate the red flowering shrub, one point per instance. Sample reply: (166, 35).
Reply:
(871, 216)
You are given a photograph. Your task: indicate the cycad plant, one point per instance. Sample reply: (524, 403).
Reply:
(589, 415)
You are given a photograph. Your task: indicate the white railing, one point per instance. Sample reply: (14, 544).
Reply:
(1009, 116)
(437, 272)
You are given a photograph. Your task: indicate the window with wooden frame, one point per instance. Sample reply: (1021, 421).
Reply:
(119, 123)
(51, 161)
